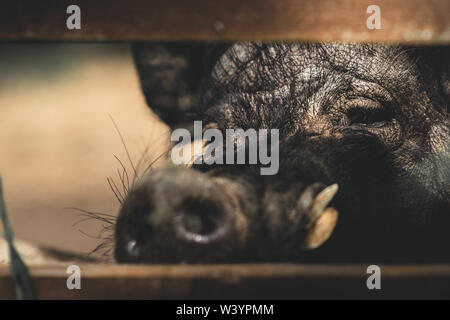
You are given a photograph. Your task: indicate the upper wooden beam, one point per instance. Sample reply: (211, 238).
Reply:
(406, 21)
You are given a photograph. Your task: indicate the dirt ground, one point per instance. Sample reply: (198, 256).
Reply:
(57, 141)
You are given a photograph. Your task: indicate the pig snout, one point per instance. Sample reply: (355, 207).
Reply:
(185, 215)
(179, 214)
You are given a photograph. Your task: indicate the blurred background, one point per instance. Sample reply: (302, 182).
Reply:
(57, 141)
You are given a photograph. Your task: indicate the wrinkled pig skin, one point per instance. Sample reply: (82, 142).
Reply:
(371, 118)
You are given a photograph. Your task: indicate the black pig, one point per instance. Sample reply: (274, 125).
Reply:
(371, 119)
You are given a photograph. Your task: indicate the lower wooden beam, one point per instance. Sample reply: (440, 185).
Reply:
(243, 281)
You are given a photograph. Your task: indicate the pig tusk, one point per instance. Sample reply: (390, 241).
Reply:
(322, 229)
(320, 203)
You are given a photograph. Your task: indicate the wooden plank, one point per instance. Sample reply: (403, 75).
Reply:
(408, 21)
(249, 281)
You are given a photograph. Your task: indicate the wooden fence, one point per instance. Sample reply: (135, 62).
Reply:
(406, 21)
(255, 281)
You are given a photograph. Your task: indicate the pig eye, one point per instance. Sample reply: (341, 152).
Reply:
(369, 117)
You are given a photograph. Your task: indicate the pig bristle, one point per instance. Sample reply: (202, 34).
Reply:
(121, 189)
(106, 234)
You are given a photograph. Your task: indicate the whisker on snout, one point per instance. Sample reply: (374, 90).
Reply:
(121, 189)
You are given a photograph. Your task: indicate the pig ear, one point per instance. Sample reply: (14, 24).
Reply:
(435, 70)
(322, 219)
(170, 75)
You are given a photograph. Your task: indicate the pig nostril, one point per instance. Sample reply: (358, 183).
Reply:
(132, 249)
(198, 222)
(202, 221)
